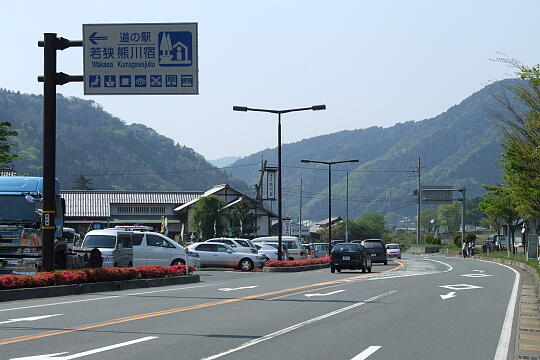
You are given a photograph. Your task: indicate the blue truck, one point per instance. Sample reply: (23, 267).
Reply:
(20, 226)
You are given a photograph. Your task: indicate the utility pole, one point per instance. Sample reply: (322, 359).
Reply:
(462, 214)
(347, 212)
(418, 202)
(51, 44)
(300, 217)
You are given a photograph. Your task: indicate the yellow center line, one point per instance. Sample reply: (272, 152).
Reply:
(170, 311)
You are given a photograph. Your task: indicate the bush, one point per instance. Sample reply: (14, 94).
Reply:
(79, 276)
(430, 239)
(291, 263)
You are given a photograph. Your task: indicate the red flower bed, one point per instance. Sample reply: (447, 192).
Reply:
(79, 276)
(290, 263)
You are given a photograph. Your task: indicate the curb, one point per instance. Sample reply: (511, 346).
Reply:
(85, 288)
(296, 268)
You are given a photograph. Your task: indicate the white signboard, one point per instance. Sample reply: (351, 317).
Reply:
(142, 59)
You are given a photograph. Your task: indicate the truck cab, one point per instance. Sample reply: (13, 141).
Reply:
(20, 225)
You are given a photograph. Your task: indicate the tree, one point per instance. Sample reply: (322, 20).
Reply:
(207, 217)
(520, 123)
(5, 146)
(82, 183)
(499, 202)
(371, 225)
(450, 214)
(429, 220)
(242, 221)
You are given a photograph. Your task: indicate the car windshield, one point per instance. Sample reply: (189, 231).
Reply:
(373, 244)
(346, 248)
(100, 241)
(243, 243)
(392, 246)
(17, 208)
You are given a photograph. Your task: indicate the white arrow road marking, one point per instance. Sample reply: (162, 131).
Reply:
(239, 288)
(330, 293)
(451, 294)
(297, 326)
(461, 287)
(476, 275)
(33, 318)
(85, 353)
(366, 353)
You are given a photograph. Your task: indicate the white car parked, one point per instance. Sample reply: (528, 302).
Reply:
(214, 254)
(294, 245)
(240, 245)
(152, 248)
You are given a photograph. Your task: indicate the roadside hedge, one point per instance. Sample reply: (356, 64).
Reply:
(90, 275)
(291, 263)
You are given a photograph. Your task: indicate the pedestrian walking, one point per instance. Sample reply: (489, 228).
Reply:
(464, 249)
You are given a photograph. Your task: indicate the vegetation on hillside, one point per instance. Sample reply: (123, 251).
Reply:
(94, 144)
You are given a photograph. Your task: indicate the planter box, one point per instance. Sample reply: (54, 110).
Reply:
(295, 268)
(76, 289)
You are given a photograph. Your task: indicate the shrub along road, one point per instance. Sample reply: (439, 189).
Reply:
(421, 308)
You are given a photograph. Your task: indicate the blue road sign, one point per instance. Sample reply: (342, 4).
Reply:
(140, 59)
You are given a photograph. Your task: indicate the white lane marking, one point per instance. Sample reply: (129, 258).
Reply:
(239, 288)
(330, 293)
(33, 318)
(297, 326)
(366, 353)
(105, 297)
(481, 271)
(476, 275)
(450, 268)
(461, 287)
(506, 333)
(451, 294)
(85, 353)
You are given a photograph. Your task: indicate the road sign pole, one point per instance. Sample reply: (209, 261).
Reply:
(49, 148)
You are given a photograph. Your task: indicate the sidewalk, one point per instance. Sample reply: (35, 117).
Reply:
(528, 330)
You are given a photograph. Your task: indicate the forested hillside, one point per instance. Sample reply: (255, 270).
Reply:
(459, 147)
(104, 149)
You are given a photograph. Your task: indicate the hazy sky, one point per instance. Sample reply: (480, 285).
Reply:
(373, 63)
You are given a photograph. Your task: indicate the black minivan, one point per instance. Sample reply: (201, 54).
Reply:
(376, 248)
(349, 256)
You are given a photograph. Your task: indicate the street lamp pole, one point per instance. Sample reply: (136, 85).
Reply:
(279, 112)
(330, 163)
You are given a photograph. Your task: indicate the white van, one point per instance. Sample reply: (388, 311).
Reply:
(116, 246)
(152, 248)
(293, 244)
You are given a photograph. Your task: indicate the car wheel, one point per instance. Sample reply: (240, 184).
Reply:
(178, 262)
(363, 269)
(369, 269)
(291, 258)
(385, 262)
(399, 257)
(130, 264)
(332, 269)
(246, 265)
(338, 270)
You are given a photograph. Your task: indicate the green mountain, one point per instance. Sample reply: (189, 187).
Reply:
(459, 147)
(104, 149)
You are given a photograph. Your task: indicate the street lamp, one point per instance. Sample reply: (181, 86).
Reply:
(279, 112)
(329, 163)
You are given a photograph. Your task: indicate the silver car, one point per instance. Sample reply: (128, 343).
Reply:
(240, 245)
(214, 254)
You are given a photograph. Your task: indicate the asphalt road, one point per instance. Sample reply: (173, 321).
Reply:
(395, 312)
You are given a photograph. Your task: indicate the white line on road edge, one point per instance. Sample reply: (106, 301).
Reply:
(239, 288)
(366, 353)
(106, 297)
(330, 293)
(33, 318)
(450, 268)
(297, 326)
(85, 353)
(506, 332)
